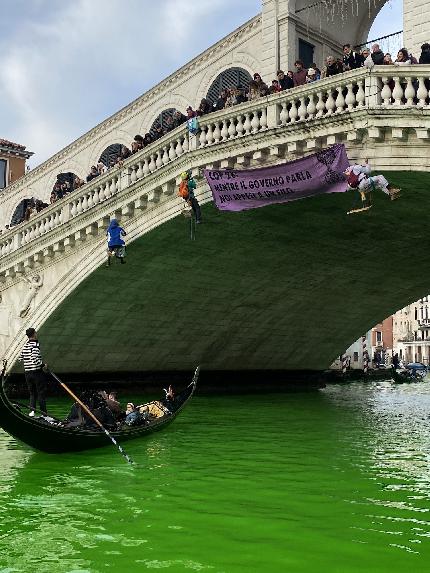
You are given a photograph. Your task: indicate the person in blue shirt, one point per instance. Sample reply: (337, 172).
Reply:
(116, 244)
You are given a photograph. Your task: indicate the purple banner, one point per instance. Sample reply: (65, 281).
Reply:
(238, 190)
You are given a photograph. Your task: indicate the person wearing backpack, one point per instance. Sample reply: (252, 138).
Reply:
(186, 191)
(358, 177)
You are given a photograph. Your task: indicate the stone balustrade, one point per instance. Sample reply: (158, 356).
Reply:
(397, 89)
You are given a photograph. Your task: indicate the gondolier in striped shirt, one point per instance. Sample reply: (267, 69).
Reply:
(34, 374)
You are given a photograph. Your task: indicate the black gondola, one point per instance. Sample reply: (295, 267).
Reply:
(50, 438)
(405, 376)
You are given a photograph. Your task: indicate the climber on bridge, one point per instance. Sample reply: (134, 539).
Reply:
(116, 244)
(186, 191)
(358, 178)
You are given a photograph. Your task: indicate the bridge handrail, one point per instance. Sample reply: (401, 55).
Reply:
(389, 87)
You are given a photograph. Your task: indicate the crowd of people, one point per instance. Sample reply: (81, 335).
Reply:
(302, 75)
(108, 410)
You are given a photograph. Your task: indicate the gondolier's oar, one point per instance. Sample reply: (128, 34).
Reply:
(91, 415)
(3, 372)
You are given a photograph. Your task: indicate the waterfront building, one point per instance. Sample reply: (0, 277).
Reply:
(382, 342)
(411, 332)
(354, 354)
(406, 332)
(13, 157)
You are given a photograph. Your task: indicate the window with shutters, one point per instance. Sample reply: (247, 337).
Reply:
(3, 173)
(230, 78)
(110, 155)
(162, 119)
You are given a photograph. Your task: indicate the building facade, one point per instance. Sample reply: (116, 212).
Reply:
(411, 331)
(13, 157)
(382, 342)
(406, 333)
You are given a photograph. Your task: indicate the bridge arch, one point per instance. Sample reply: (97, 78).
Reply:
(79, 266)
(346, 22)
(164, 272)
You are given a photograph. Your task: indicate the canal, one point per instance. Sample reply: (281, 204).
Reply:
(332, 481)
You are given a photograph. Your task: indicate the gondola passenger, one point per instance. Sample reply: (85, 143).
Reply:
(96, 403)
(113, 404)
(136, 415)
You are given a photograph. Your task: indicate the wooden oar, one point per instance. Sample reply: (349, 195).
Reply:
(91, 415)
(3, 372)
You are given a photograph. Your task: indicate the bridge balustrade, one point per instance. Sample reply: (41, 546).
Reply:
(385, 87)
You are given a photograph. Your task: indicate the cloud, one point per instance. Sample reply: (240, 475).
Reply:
(68, 65)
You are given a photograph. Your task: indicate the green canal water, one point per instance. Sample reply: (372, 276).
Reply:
(335, 481)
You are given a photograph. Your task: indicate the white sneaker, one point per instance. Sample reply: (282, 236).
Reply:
(31, 414)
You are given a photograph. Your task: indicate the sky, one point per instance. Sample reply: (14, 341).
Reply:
(68, 64)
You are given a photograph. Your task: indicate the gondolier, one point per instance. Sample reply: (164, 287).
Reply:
(34, 374)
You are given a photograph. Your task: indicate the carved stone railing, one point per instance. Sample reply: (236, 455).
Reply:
(386, 88)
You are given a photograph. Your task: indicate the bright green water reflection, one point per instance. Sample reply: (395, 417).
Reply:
(336, 481)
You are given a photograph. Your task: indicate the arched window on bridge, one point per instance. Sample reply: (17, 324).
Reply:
(26, 209)
(65, 183)
(163, 121)
(112, 153)
(230, 78)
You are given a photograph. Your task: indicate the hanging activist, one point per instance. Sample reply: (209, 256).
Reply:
(116, 244)
(186, 191)
(359, 179)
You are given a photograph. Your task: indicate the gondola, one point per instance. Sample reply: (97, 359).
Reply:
(406, 376)
(51, 438)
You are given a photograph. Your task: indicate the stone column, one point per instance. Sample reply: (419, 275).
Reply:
(277, 40)
(416, 25)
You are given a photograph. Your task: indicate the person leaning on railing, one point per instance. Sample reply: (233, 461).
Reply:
(178, 118)
(275, 87)
(311, 76)
(285, 81)
(299, 76)
(220, 102)
(425, 54)
(373, 58)
(351, 60)
(403, 58)
(204, 108)
(92, 174)
(262, 86)
(332, 67)
(253, 91)
(365, 53)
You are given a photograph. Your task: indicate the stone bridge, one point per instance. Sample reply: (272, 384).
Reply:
(253, 291)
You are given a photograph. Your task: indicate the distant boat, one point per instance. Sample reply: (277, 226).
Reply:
(47, 437)
(414, 372)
